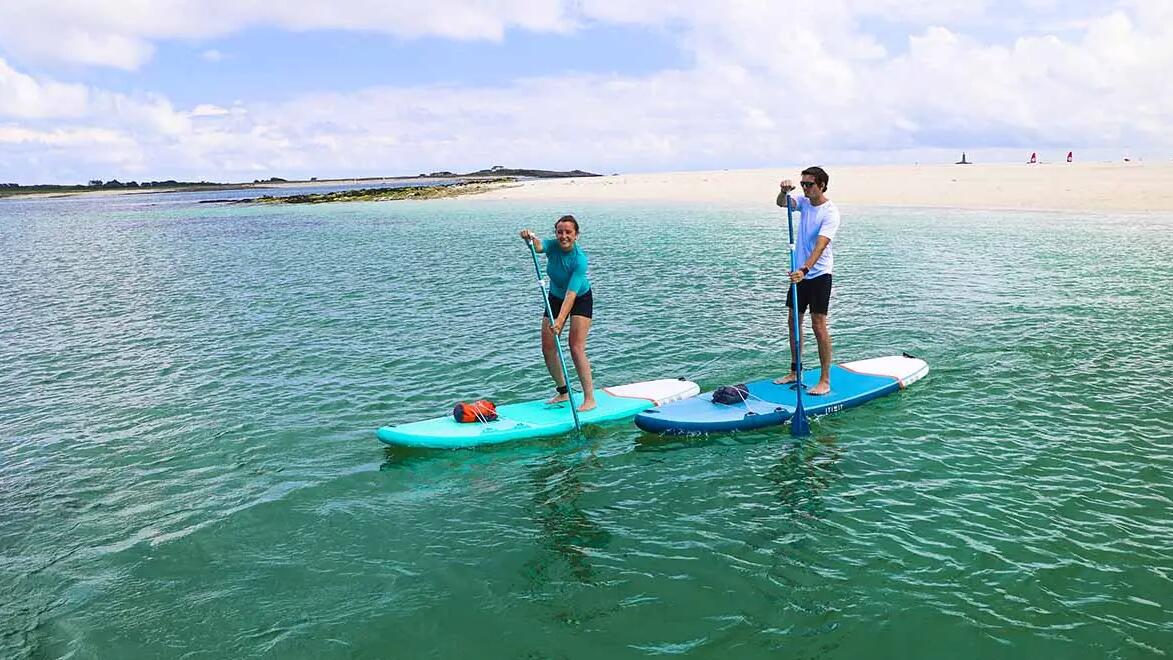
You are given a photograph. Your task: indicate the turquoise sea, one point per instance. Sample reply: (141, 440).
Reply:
(188, 466)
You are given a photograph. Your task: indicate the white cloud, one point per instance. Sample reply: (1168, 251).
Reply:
(22, 96)
(69, 155)
(212, 55)
(208, 110)
(121, 33)
(772, 82)
(63, 137)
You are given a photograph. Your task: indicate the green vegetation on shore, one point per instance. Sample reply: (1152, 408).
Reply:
(96, 185)
(376, 194)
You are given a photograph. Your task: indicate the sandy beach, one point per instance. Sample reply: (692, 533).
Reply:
(1135, 187)
(1129, 187)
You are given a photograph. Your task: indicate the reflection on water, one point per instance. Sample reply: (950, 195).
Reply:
(565, 532)
(805, 469)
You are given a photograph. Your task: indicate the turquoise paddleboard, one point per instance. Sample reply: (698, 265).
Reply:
(770, 404)
(537, 418)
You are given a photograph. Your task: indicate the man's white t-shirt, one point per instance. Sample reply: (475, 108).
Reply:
(815, 221)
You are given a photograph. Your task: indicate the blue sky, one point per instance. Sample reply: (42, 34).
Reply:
(241, 90)
(304, 62)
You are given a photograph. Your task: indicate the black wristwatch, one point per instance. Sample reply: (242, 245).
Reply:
(805, 271)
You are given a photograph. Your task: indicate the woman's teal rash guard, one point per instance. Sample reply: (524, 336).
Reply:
(567, 270)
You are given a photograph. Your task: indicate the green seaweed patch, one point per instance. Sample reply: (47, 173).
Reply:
(384, 194)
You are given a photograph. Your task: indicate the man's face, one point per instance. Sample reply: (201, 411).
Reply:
(809, 186)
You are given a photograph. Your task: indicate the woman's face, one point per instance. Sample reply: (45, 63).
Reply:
(566, 234)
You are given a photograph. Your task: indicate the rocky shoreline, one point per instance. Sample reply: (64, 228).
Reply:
(377, 194)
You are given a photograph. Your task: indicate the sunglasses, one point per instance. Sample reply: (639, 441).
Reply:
(806, 184)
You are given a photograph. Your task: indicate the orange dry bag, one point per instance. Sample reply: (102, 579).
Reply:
(477, 411)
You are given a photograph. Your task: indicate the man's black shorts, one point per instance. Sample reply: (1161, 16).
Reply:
(815, 293)
(584, 305)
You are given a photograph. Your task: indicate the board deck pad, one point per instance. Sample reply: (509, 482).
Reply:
(770, 404)
(534, 419)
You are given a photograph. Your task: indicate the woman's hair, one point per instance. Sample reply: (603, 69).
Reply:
(567, 218)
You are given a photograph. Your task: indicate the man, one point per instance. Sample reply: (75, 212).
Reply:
(818, 222)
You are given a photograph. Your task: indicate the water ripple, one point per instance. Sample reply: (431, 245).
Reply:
(187, 463)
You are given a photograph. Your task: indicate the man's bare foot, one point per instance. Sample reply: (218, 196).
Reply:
(788, 378)
(588, 404)
(820, 389)
(561, 398)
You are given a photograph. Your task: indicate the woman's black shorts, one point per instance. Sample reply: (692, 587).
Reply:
(584, 305)
(815, 293)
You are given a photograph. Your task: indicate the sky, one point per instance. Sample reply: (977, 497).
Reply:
(244, 89)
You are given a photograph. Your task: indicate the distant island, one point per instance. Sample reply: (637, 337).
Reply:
(497, 173)
(498, 170)
(114, 185)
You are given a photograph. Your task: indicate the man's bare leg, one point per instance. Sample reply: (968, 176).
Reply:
(791, 376)
(823, 336)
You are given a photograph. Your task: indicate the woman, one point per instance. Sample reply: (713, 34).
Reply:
(570, 300)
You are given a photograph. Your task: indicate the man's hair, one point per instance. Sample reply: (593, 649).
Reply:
(819, 174)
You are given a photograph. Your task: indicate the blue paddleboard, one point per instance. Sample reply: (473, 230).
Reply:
(769, 404)
(535, 419)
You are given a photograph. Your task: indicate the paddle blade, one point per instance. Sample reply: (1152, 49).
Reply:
(799, 426)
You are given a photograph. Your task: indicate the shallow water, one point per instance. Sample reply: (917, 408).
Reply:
(188, 467)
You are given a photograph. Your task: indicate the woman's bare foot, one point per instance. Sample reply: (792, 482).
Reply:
(788, 378)
(821, 388)
(560, 398)
(588, 404)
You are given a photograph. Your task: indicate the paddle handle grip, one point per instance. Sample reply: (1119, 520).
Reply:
(790, 224)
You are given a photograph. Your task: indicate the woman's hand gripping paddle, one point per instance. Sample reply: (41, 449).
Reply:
(799, 425)
(557, 342)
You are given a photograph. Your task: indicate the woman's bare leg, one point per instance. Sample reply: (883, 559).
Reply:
(580, 327)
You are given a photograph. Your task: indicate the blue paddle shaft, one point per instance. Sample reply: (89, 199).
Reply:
(798, 423)
(557, 343)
